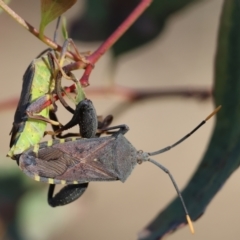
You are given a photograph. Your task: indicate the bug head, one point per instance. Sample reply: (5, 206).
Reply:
(142, 157)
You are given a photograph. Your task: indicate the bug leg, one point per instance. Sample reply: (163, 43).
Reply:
(122, 129)
(53, 72)
(103, 124)
(39, 117)
(54, 105)
(57, 75)
(74, 121)
(67, 75)
(55, 128)
(36, 107)
(66, 195)
(47, 120)
(58, 89)
(85, 115)
(69, 42)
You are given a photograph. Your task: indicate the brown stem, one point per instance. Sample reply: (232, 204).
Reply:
(133, 94)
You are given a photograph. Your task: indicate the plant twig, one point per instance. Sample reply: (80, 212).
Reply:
(134, 94)
(127, 23)
(94, 57)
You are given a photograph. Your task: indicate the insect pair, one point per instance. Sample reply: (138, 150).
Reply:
(72, 161)
(80, 161)
(41, 80)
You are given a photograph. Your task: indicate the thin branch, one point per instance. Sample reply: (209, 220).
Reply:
(8, 104)
(133, 94)
(136, 94)
(94, 57)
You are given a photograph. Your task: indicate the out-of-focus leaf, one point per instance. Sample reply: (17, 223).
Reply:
(12, 187)
(51, 9)
(222, 157)
(101, 19)
(7, 2)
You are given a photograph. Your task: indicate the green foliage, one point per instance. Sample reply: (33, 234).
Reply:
(222, 157)
(51, 9)
(13, 187)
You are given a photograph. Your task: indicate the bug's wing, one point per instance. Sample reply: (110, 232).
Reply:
(20, 113)
(51, 166)
(14, 134)
(74, 161)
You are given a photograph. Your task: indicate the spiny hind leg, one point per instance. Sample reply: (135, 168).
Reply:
(66, 195)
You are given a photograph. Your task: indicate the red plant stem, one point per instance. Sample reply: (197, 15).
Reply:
(84, 79)
(127, 23)
(94, 57)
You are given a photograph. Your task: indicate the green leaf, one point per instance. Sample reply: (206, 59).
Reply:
(101, 18)
(51, 9)
(222, 157)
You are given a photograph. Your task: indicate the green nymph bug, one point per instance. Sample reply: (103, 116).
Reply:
(74, 161)
(40, 81)
(38, 84)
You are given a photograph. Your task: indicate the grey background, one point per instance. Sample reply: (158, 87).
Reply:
(183, 56)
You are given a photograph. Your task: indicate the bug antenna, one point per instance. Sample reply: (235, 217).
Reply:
(189, 221)
(56, 29)
(186, 136)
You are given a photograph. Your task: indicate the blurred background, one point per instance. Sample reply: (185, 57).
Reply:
(182, 56)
